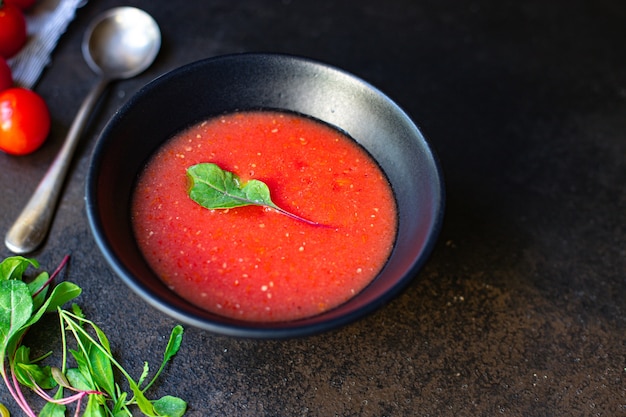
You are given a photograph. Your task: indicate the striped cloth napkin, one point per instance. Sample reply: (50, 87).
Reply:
(46, 21)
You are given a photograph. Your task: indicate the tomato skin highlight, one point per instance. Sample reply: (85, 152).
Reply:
(12, 30)
(24, 121)
(6, 77)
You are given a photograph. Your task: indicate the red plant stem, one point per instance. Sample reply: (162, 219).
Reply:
(76, 413)
(65, 400)
(56, 272)
(23, 405)
(13, 385)
(298, 218)
(16, 392)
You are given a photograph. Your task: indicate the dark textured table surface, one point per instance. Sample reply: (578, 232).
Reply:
(521, 309)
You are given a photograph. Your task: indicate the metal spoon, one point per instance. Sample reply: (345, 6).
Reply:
(119, 44)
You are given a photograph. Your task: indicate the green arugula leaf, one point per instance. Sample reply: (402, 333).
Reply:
(77, 379)
(33, 374)
(120, 408)
(16, 307)
(94, 407)
(83, 367)
(102, 338)
(214, 188)
(173, 345)
(29, 373)
(170, 406)
(61, 294)
(78, 312)
(102, 371)
(59, 377)
(39, 289)
(98, 359)
(14, 267)
(144, 374)
(144, 404)
(93, 361)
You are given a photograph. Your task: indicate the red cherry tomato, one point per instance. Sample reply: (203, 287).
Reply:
(6, 78)
(22, 4)
(12, 29)
(24, 121)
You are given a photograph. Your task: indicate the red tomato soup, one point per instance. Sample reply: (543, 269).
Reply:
(254, 263)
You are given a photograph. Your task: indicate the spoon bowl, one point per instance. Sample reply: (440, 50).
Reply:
(120, 43)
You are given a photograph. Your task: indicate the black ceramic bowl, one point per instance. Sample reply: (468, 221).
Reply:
(263, 81)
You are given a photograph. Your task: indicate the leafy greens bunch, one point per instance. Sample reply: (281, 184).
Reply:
(90, 379)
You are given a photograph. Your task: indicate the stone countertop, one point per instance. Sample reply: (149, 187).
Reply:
(521, 309)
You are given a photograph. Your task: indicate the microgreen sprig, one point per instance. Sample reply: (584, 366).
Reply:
(90, 376)
(214, 188)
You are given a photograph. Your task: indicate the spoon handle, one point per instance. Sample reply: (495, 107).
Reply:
(32, 225)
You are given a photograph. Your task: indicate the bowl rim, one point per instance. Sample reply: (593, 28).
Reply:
(273, 330)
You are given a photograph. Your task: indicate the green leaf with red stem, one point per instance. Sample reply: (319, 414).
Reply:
(214, 188)
(21, 306)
